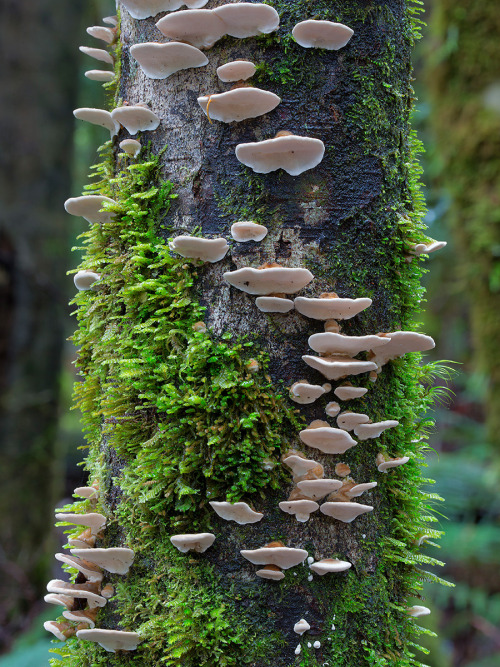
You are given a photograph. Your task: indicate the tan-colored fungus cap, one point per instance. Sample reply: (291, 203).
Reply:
(98, 54)
(284, 557)
(322, 34)
(347, 392)
(96, 522)
(345, 512)
(111, 20)
(87, 617)
(300, 466)
(90, 207)
(245, 230)
(143, 9)
(195, 247)
(85, 540)
(342, 470)
(100, 32)
(241, 513)
(269, 281)
(108, 591)
(159, 61)
(97, 117)
(373, 430)
(402, 342)
(130, 146)
(334, 343)
(238, 104)
(302, 509)
(336, 368)
(60, 630)
(111, 640)
(99, 75)
(328, 565)
(245, 19)
(135, 118)
(61, 600)
(84, 280)
(329, 307)
(383, 464)
(348, 420)
(86, 592)
(427, 248)
(115, 559)
(90, 571)
(238, 70)
(292, 153)
(273, 304)
(332, 409)
(327, 439)
(198, 542)
(301, 626)
(418, 610)
(358, 489)
(199, 27)
(271, 572)
(304, 393)
(316, 489)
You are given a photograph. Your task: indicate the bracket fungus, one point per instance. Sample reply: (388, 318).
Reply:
(86, 592)
(329, 343)
(90, 207)
(95, 522)
(237, 70)
(91, 572)
(328, 565)
(427, 248)
(301, 466)
(116, 560)
(98, 54)
(347, 392)
(160, 60)
(329, 306)
(87, 616)
(302, 509)
(196, 247)
(199, 27)
(365, 431)
(332, 409)
(418, 610)
(98, 117)
(241, 513)
(292, 153)
(269, 280)
(143, 9)
(273, 304)
(245, 19)
(238, 104)
(246, 230)
(107, 35)
(305, 393)
(135, 118)
(327, 439)
(338, 367)
(58, 599)
(85, 540)
(342, 470)
(61, 631)
(272, 572)
(322, 34)
(84, 280)
(111, 640)
(358, 489)
(283, 557)
(198, 542)
(100, 75)
(384, 465)
(345, 512)
(317, 489)
(130, 146)
(301, 626)
(401, 342)
(349, 420)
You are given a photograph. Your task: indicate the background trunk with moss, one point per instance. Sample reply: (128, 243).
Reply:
(174, 417)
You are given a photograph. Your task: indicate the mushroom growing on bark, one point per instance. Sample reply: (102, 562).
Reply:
(143, 9)
(161, 60)
(199, 27)
(198, 542)
(111, 640)
(196, 247)
(245, 19)
(322, 34)
(239, 512)
(238, 104)
(329, 306)
(292, 153)
(269, 280)
(238, 70)
(135, 118)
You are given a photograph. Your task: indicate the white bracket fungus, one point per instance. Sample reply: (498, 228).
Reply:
(336, 368)
(349, 420)
(328, 565)
(97, 117)
(61, 600)
(91, 572)
(402, 342)
(111, 20)
(273, 304)
(130, 146)
(345, 512)
(199, 27)
(198, 542)
(61, 631)
(334, 343)
(87, 617)
(143, 9)
(84, 591)
(347, 392)
(159, 60)
(100, 75)
(374, 429)
(245, 231)
(316, 489)
(305, 393)
(96, 522)
(327, 439)
(111, 640)
(98, 54)
(238, 104)
(135, 118)
(100, 32)
(195, 247)
(322, 34)
(302, 509)
(84, 280)
(427, 248)
(301, 626)
(271, 572)
(383, 464)
(245, 19)
(330, 306)
(332, 409)
(90, 207)
(239, 512)
(85, 540)
(358, 489)
(342, 470)
(269, 281)
(283, 557)
(300, 466)
(418, 610)
(237, 70)
(115, 559)
(293, 154)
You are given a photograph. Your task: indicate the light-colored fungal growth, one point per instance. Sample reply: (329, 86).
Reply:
(283, 557)
(238, 70)
(301, 466)
(342, 470)
(96, 522)
(108, 591)
(336, 368)
(245, 19)
(199, 27)
(294, 154)
(116, 560)
(111, 20)
(427, 248)
(271, 572)
(100, 75)
(85, 540)
(401, 342)
(327, 439)
(98, 117)
(269, 280)
(317, 489)
(358, 489)
(135, 118)
(98, 54)
(246, 230)
(61, 631)
(131, 146)
(111, 640)
(322, 34)
(61, 600)
(87, 617)
(160, 60)
(143, 9)
(198, 542)
(374, 429)
(273, 304)
(195, 247)
(328, 344)
(84, 280)
(302, 509)
(238, 104)
(304, 393)
(418, 610)
(349, 420)
(332, 409)
(90, 207)
(90, 571)
(384, 465)
(345, 512)
(329, 306)
(347, 392)
(87, 592)
(239, 512)
(328, 565)
(301, 626)
(100, 32)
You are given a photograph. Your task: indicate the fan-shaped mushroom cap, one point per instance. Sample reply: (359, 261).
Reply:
(96, 522)
(342, 470)
(301, 466)
(60, 630)
(292, 153)
(330, 308)
(345, 512)
(427, 248)
(327, 439)
(304, 393)
(88, 617)
(131, 146)
(98, 54)
(318, 488)
(85, 279)
(348, 420)
(328, 565)
(284, 557)
(195, 247)
(141, 9)
(90, 207)
(302, 509)
(373, 430)
(160, 60)
(100, 75)
(335, 343)
(418, 610)
(273, 304)
(97, 117)
(246, 230)
(100, 32)
(135, 118)
(245, 19)
(238, 70)
(115, 559)
(358, 489)
(85, 540)
(111, 20)
(90, 571)
(384, 465)
(322, 34)
(346, 392)
(271, 572)
(62, 600)
(77, 591)
(402, 342)
(111, 640)
(239, 104)
(301, 626)
(335, 368)
(332, 409)
(239, 512)
(199, 27)
(268, 281)
(198, 542)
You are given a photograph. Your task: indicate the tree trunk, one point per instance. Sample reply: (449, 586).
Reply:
(175, 415)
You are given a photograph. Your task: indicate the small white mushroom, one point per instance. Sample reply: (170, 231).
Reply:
(330, 306)
(198, 542)
(100, 75)
(131, 146)
(305, 393)
(317, 644)
(90, 207)
(98, 54)
(87, 592)
(97, 117)
(384, 465)
(302, 509)
(91, 572)
(349, 420)
(328, 565)
(111, 20)
(238, 104)
(61, 631)
(301, 626)
(373, 430)
(316, 489)
(161, 60)
(301, 466)
(199, 27)
(96, 522)
(87, 617)
(100, 32)
(283, 557)
(359, 489)
(327, 439)
(143, 9)
(322, 34)
(273, 304)
(266, 281)
(245, 19)
(298, 649)
(332, 409)
(336, 368)
(401, 342)
(111, 640)
(347, 392)
(135, 118)
(84, 280)
(427, 248)
(195, 247)
(239, 512)
(117, 560)
(245, 231)
(328, 343)
(345, 512)
(418, 610)
(271, 572)
(294, 154)
(61, 600)
(238, 70)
